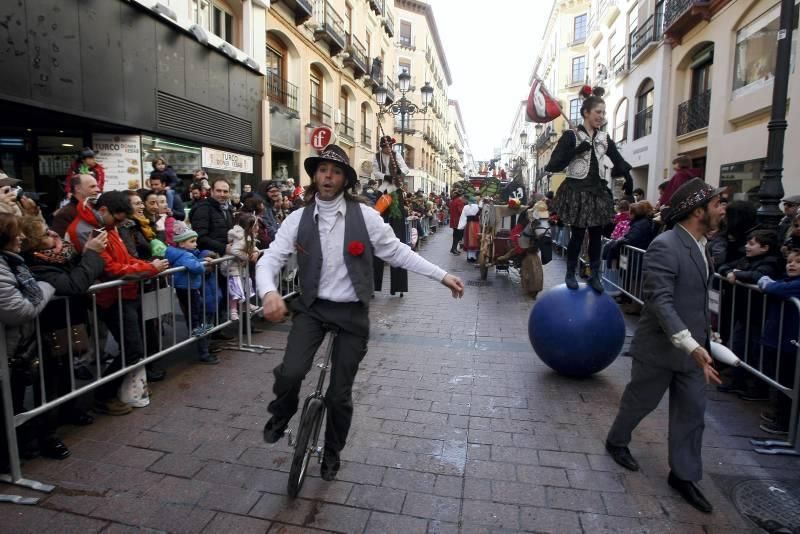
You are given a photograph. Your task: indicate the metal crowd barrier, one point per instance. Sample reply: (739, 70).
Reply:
(158, 313)
(740, 313)
(626, 275)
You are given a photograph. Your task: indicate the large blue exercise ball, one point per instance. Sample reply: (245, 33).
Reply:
(576, 332)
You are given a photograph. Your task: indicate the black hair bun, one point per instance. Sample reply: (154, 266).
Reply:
(598, 91)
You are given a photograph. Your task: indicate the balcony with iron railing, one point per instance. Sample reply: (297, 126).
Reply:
(620, 63)
(377, 6)
(648, 35)
(366, 136)
(643, 123)
(405, 41)
(320, 111)
(621, 133)
(680, 16)
(347, 128)
(388, 23)
(302, 9)
(608, 11)
(330, 27)
(693, 114)
(356, 56)
(281, 91)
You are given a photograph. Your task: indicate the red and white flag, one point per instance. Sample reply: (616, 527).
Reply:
(541, 106)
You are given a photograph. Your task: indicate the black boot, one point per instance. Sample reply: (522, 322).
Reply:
(594, 281)
(570, 280)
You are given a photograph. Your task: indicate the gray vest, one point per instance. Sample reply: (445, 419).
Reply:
(309, 256)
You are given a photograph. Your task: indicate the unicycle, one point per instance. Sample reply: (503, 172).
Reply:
(306, 445)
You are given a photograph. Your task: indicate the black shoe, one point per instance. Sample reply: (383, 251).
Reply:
(594, 281)
(274, 429)
(155, 374)
(221, 336)
(55, 449)
(570, 280)
(330, 465)
(454, 252)
(623, 456)
(691, 493)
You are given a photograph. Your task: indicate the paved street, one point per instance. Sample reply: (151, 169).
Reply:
(458, 428)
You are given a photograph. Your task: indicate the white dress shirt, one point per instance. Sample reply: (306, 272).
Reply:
(683, 339)
(334, 283)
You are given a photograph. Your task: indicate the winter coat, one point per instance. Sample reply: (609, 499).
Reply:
(750, 270)
(678, 179)
(211, 222)
(72, 279)
(192, 277)
(779, 292)
(640, 234)
(118, 262)
(622, 223)
(238, 249)
(17, 313)
(64, 216)
(456, 207)
(131, 234)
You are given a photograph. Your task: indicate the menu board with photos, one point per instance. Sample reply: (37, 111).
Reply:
(121, 157)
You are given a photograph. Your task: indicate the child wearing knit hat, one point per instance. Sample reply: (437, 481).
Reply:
(187, 284)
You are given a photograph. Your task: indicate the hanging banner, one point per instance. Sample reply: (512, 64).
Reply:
(121, 157)
(227, 161)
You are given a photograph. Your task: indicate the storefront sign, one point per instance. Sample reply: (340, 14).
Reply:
(321, 137)
(121, 157)
(227, 161)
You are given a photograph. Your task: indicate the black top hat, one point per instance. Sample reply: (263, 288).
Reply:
(334, 154)
(692, 195)
(86, 152)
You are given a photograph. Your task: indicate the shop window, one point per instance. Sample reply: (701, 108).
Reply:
(742, 178)
(756, 52)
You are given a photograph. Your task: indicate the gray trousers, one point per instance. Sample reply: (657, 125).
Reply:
(687, 406)
(305, 337)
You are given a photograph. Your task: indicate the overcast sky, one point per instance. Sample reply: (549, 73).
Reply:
(490, 47)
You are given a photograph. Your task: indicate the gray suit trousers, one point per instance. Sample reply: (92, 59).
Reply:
(687, 406)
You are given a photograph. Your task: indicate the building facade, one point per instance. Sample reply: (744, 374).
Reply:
(562, 66)
(419, 51)
(457, 144)
(324, 58)
(134, 80)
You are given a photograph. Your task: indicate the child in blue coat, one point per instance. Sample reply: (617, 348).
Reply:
(780, 330)
(188, 283)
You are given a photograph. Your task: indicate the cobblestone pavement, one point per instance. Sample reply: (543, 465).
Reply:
(458, 428)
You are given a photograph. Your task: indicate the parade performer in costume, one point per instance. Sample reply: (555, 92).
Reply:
(470, 225)
(584, 201)
(389, 168)
(334, 236)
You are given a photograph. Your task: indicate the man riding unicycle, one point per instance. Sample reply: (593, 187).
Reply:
(335, 237)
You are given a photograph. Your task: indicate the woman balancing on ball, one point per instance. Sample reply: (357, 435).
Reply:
(584, 200)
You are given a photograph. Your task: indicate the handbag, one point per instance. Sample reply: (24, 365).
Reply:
(57, 341)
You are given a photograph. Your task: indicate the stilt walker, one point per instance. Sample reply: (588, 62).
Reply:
(389, 168)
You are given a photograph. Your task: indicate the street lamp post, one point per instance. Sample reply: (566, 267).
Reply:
(403, 107)
(770, 191)
(538, 128)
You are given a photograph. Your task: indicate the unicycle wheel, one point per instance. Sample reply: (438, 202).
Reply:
(308, 429)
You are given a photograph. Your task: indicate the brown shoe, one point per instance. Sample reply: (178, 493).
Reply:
(112, 407)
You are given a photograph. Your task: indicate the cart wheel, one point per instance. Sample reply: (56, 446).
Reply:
(484, 271)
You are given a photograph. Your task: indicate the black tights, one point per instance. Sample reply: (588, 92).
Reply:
(576, 242)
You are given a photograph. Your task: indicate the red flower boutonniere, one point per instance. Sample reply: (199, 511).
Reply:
(355, 248)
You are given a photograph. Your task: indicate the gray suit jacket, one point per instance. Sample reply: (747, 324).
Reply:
(675, 289)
